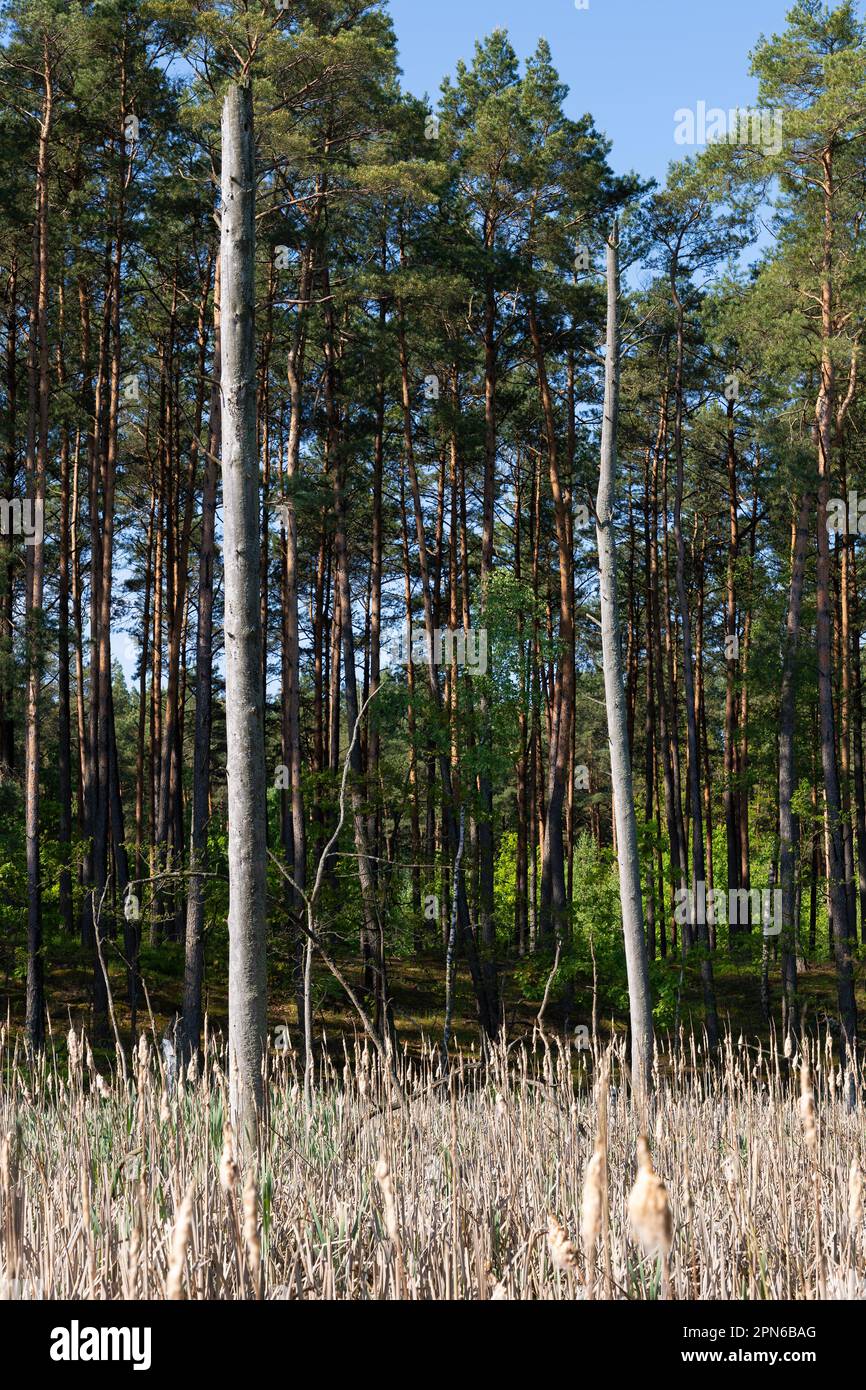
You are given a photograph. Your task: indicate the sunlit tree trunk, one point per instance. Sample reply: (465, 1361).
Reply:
(640, 1007)
(245, 766)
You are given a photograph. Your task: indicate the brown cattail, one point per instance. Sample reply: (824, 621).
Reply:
(688, 1195)
(73, 1048)
(386, 1187)
(87, 1225)
(591, 1206)
(649, 1210)
(7, 1203)
(807, 1108)
(731, 1172)
(179, 1243)
(855, 1196)
(6, 1153)
(85, 1198)
(810, 1134)
(251, 1231)
(563, 1251)
(134, 1253)
(228, 1166)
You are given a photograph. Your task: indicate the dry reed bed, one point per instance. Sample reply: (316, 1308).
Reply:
(485, 1186)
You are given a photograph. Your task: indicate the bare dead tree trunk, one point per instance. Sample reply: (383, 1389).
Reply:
(245, 763)
(615, 701)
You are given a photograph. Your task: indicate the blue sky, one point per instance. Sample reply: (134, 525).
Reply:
(630, 63)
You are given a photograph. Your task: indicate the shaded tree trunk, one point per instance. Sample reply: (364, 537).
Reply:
(194, 940)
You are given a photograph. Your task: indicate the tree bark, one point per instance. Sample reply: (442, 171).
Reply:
(824, 421)
(37, 452)
(640, 1007)
(789, 828)
(732, 834)
(194, 943)
(245, 766)
(698, 866)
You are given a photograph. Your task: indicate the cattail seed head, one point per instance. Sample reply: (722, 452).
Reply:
(251, 1227)
(563, 1251)
(731, 1174)
(591, 1206)
(134, 1250)
(6, 1162)
(649, 1209)
(386, 1187)
(73, 1048)
(807, 1108)
(179, 1243)
(855, 1196)
(228, 1165)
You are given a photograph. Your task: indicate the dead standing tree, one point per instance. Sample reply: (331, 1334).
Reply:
(614, 698)
(245, 763)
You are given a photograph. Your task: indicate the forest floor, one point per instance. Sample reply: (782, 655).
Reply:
(417, 989)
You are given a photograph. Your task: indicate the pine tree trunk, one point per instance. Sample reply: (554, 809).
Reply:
(553, 901)
(859, 784)
(789, 829)
(732, 832)
(698, 865)
(294, 823)
(194, 943)
(64, 705)
(824, 419)
(37, 452)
